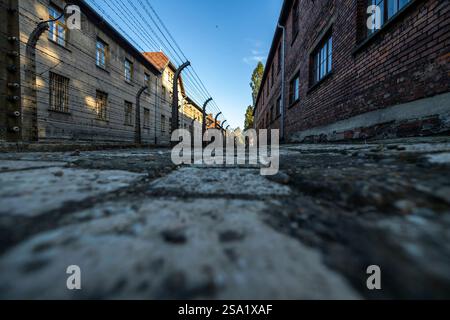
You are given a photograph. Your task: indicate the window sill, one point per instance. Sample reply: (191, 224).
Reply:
(67, 113)
(128, 125)
(293, 104)
(367, 41)
(320, 82)
(59, 45)
(103, 69)
(129, 83)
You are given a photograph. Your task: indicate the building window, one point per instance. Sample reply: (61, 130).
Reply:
(295, 20)
(101, 104)
(147, 81)
(59, 93)
(102, 53)
(388, 9)
(163, 123)
(128, 70)
(163, 96)
(294, 90)
(57, 29)
(271, 76)
(279, 106)
(323, 59)
(146, 118)
(280, 56)
(128, 113)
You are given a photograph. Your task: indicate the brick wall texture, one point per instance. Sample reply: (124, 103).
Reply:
(407, 60)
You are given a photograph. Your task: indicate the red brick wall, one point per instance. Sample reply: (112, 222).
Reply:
(408, 60)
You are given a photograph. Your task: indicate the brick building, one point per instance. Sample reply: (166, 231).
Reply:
(81, 85)
(343, 80)
(189, 111)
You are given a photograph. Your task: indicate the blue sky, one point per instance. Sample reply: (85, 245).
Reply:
(224, 39)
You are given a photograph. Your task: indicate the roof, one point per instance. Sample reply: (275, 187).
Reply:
(287, 5)
(159, 60)
(192, 102)
(108, 29)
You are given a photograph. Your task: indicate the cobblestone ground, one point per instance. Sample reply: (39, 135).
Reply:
(139, 227)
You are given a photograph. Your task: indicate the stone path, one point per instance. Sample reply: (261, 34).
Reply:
(140, 227)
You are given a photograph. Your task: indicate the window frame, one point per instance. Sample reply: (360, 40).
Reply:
(105, 53)
(272, 76)
(130, 71)
(279, 106)
(101, 96)
(385, 18)
(54, 33)
(322, 66)
(128, 110)
(163, 123)
(295, 79)
(146, 118)
(63, 96)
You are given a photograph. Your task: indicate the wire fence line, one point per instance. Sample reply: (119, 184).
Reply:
(115, 115)
(144, 27)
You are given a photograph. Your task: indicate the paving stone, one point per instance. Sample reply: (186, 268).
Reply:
(13, 165)
(33, 192)
(124, 256)
(234, 181)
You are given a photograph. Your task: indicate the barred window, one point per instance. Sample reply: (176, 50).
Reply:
(128, 70)
(163, 123)
(57, 29)
(148, 81)
(59, 93)
(128, 113)
(146, 118)
(102, 53)
(323, 59)
(101, 104)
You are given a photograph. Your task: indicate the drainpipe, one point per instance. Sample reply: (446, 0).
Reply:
(283, 109)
